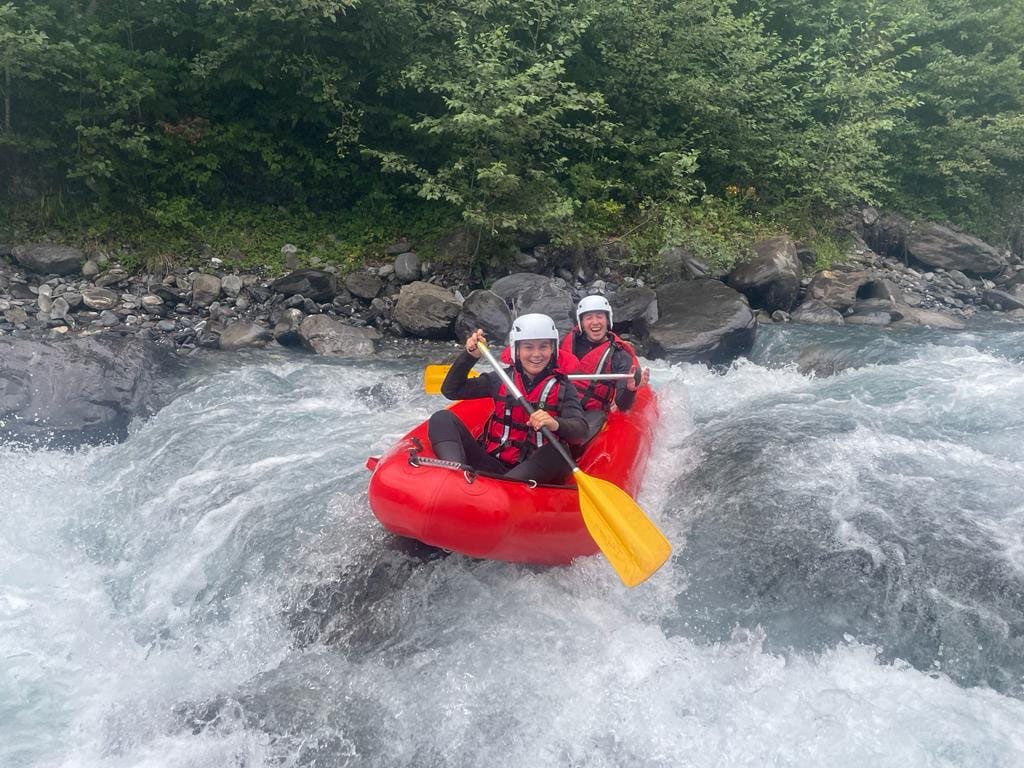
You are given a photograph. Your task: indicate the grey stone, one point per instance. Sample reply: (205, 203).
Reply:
(631, 304)
(939, 246)
(702, 321)
(407, 267)
(815, 312)
(245, 334)
(486, 310)
(426, 310)
(75, 391)
(111, 277)
(205, 290)
(286, 327)
(289, 253)
(16, 316)
(60, 308)
(99, 299)
(326, 336)
(771, 279)
(363, 284)
(46, 258)
(402, 246)
(231, 285)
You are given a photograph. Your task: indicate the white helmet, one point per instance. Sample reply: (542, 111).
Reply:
(533, 326)
(594, 303)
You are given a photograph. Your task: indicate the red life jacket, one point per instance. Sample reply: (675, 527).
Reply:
(596, 395)
(507, 435)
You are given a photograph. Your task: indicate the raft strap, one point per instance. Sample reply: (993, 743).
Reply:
(470, 473)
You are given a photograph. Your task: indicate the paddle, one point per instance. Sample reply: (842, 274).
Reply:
(433, 377)
(631, 542)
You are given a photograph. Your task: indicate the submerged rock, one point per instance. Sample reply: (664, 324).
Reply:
(66, 393)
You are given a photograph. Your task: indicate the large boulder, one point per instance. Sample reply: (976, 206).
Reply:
(836, 289)
(426, 310)
(48, 259)
(702, 321)
(487, 310)
(939, 246)
(771, 279)
(315, 284)
(632, 304)
(326, 336)
(525, 292)
(78, 391)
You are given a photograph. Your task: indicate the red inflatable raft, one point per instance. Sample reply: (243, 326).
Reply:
(485, 516)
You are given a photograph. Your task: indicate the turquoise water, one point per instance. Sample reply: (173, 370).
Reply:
(847, 587)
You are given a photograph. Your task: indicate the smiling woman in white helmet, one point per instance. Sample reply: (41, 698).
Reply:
(598, 350)
(511, 443)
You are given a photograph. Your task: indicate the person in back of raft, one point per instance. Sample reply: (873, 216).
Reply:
(511, 443)
(598, 350)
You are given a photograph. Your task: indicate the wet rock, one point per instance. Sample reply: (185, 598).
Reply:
(326, 336)
(702, 321)
(915, 316)
(85, 390)
(245, 334)
(771, 279)
(817, 312)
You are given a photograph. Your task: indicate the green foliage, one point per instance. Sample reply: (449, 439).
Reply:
(586, 118)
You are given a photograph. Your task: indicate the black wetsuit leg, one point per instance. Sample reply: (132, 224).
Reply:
(545, 465)
(452, 441)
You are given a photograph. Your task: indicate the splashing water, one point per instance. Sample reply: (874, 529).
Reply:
(847, 586)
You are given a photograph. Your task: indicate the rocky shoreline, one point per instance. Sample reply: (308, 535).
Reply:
(83, 343)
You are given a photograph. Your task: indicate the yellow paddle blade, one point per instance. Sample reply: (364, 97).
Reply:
(433, 377)
(632, 543)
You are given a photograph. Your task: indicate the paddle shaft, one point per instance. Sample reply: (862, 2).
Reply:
(482, 346)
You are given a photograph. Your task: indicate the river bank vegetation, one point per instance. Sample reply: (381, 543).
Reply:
(188, 127)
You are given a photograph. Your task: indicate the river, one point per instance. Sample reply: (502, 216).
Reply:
(847, 585)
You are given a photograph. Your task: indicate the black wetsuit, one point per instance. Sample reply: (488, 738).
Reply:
(451, 440)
